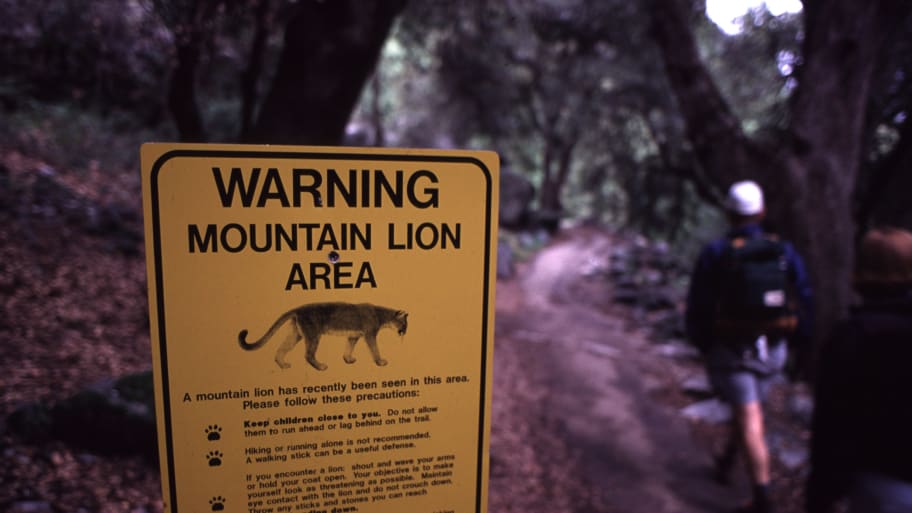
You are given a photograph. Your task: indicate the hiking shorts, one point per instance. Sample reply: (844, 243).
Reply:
(741, 379)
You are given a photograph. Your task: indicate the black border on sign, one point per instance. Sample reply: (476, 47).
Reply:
(314, 155)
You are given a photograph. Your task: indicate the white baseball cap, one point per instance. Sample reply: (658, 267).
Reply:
(745, 198)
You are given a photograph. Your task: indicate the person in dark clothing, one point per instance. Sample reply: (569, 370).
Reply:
(861, 445)
(744, 356)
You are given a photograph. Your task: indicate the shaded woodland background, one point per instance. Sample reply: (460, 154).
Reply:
(630, 115)
(635, 114)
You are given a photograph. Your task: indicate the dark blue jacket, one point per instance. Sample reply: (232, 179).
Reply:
(705, 288)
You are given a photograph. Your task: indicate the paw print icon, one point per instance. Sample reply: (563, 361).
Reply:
(215, 458)
(217, 503)
(214, 433)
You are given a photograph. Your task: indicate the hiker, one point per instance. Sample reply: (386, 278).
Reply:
(749, 293)
(860, 446)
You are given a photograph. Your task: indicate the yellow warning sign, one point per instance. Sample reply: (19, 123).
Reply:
(322, 326)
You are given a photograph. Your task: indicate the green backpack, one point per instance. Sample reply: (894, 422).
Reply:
(755, 293)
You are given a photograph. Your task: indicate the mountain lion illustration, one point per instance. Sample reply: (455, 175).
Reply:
(312, 321)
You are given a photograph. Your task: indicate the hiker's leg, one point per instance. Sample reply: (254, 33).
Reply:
(749, 414)
(750, 424)
(747, 410)
(729, 386)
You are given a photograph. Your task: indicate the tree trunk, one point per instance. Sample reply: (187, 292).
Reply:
(182, 94)
(330, 50)
(810, 179)
(250, 77)
(549, 197)
(191, 25)
(564, 166)
(841, 47)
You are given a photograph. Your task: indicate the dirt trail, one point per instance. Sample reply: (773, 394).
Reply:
(575, 365)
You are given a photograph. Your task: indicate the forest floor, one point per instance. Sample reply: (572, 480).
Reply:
(586, 411)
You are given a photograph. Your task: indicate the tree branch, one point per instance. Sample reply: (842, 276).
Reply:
(715, 133)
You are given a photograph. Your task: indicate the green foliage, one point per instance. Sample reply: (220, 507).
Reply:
(67, 136)
(570, 92)
(567, 93)
(103, 53)
(396, 100)
(755, 68)
(220, 115)
(523, 245)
